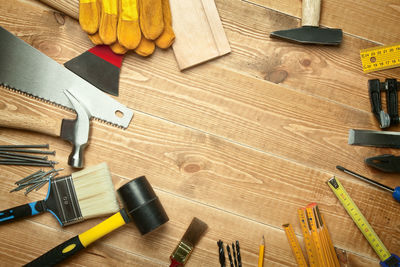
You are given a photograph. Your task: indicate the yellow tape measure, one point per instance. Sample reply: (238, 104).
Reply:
(380, 57)
(294, 245)
(359, 219)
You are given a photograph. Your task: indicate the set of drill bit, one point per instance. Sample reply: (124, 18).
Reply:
(19, 155)
(236, 260)
(35, 180)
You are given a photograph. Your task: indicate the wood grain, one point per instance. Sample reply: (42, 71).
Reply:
(200, 36)
(219, 141)
(25, 119)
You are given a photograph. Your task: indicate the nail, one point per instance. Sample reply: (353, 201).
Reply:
(28, 177)
(22, 155)
(25, 146)
(27, 151)
(34, 164)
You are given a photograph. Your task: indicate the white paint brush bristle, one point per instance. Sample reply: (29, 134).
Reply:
(95, 191)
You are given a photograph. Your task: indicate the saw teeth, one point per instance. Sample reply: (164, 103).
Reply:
(15, 90)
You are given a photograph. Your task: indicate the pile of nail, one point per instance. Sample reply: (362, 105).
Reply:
(18, 155)
(236, 261)
(35, 180)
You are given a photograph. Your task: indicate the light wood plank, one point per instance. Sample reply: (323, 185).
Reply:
(200, 36)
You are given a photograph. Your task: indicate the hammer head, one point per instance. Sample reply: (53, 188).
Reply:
(311, 35)
(142, 205)
(76, 131)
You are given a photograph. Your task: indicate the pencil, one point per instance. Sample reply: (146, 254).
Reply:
(261, 254)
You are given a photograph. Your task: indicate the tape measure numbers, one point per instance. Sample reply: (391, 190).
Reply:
(359, 219)
(380, 57)
(294, 245)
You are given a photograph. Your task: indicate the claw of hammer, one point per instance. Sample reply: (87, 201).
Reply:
(76, 131)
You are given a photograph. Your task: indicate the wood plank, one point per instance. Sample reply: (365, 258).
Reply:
(200, 36)
(366, 19)
(210, 171)
(278, 151)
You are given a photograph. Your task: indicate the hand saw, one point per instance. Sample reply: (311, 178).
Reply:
(25, 69)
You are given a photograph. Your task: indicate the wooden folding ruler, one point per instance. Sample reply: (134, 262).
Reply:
(380, 57)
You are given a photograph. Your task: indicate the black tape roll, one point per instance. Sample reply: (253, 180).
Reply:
(142, 205)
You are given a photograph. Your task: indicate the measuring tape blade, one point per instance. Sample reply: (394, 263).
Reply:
(310, 249)
(294, 245)
(359, 219)
(380, 57)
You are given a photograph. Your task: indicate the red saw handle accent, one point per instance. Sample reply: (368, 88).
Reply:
(105, 52)
(175, 263)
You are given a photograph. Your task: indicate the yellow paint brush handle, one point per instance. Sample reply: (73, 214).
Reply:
(79, 242)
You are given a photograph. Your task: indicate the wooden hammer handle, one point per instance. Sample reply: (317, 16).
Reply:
(15, 116)
(311, 13)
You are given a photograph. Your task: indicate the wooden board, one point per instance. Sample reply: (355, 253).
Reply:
(241, 142)
(200, 36)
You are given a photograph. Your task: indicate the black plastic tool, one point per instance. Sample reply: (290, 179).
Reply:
(385, 163)
(390, 87)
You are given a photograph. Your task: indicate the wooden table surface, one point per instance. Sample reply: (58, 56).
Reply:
(241, 142)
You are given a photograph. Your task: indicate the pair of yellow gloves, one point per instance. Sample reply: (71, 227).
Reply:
(125, 25)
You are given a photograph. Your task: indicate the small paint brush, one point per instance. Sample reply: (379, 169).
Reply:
(82, 195)
(185, 247)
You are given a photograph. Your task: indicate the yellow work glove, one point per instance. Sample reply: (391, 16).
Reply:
(128, 24)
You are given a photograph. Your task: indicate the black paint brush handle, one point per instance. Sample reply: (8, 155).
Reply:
(22, 211)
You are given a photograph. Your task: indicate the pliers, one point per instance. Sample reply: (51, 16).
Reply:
(385, 163)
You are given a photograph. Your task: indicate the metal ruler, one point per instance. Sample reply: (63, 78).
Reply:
(359, 219)
(294, 245)
(380, 57)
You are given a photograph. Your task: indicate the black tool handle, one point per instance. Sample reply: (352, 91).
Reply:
(58, 254)
(392, 101)
(376, 103)
(22, 211)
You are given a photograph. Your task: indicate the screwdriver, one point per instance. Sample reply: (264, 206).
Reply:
(395, 192)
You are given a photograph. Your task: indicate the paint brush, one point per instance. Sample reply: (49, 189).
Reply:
(185, 247)
(82, 195)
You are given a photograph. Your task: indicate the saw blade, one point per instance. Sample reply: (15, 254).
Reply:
(25, 69)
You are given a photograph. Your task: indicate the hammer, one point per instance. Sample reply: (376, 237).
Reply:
(310, 32)
(75, 131)
(141, 205)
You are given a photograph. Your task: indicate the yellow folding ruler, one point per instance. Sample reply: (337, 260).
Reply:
(310, 246)
(380, 57)
(294, 245)
(387, 259)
